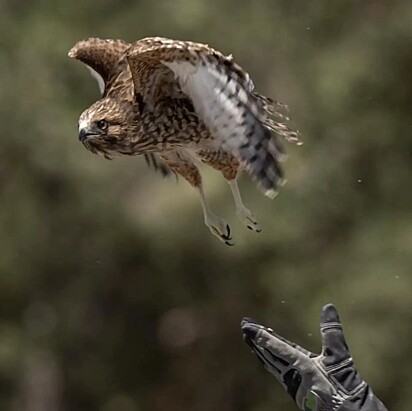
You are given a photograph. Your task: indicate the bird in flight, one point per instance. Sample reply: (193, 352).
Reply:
(179, 103)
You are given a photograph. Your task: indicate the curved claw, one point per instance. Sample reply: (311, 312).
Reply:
(247, 218)
(220, 229)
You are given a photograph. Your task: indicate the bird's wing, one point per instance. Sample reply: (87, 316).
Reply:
(100, 56)
(222, 95)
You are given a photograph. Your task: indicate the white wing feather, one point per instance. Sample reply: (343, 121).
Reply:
(233, 116)
(204, 86)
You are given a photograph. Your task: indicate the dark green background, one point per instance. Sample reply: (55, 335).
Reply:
(114, 295)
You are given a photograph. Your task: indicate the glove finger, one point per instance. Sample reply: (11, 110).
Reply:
(247, 320)
(274, 351)
(334, 347)
(270, 362)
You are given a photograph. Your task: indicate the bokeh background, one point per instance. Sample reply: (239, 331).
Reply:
(114, 295)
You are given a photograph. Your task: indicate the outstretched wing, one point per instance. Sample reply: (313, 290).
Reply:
(100, 56)
(222, 95)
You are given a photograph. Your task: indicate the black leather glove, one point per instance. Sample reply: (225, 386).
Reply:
(325, 382)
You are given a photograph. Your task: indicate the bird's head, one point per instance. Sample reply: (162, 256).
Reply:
(103, 127)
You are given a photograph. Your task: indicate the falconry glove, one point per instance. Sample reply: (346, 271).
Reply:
(325, 382)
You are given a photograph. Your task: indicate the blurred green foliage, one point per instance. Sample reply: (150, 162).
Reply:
(113, 294)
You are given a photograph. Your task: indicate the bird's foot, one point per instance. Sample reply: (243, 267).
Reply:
(219, 228)
(248, 219)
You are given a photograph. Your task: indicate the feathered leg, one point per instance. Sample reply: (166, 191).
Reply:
(230, 168)
(184, 166)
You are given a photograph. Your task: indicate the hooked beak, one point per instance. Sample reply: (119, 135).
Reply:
(84, 134)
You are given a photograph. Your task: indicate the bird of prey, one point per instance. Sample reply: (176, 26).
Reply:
(177, 103)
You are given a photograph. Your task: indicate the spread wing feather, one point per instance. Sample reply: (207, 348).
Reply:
(222, 95)
(101, 57)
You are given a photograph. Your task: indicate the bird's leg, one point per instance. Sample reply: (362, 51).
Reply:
(216, 225)
(229, 166)
(189, 171)
(243, 213)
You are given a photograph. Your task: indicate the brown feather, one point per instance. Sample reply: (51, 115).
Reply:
(101, 55)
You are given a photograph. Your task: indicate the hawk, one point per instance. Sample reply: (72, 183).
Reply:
(178, 103)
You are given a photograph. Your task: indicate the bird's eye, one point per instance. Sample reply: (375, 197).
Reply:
(102, 124)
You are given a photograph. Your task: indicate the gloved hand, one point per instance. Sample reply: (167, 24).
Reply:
(325, 382)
